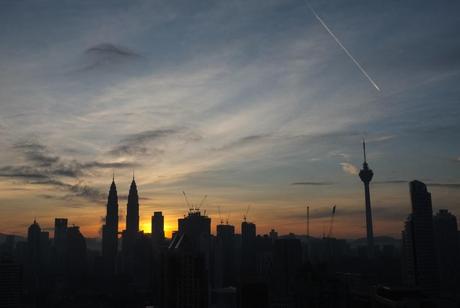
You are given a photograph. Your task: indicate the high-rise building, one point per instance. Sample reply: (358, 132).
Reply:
(248, 249)
(76, 256)
(110, 231)
(60, 243)
(158, 233)
(366, 175)
(447, 251)
(33, 242)
(131, 233)
(132, 216)
(196, 226)
(287, 259)
(225, 275)
(419, 257)
(186, 263)
(10, 283)
(60, 233)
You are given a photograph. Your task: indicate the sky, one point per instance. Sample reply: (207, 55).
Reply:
(247, 102)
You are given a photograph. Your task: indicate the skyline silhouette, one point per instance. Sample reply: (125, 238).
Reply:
(264, 109)
(229, 154)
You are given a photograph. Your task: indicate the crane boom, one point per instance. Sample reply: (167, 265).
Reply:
(332, 222)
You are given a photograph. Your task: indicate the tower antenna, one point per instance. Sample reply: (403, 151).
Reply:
(364, 150)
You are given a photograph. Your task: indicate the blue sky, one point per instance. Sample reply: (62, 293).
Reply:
(234, 99)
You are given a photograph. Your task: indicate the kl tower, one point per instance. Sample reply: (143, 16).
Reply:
(366, 175)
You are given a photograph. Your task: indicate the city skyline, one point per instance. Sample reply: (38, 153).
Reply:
(250, 103)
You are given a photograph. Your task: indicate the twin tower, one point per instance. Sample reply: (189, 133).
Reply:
(110, 228)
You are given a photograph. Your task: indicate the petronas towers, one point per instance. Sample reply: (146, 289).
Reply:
(110, 228)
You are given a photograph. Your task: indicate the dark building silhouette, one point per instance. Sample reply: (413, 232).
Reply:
(366, 175)
(10, 283)
(419, 257)
(447, 251)
(76, 256)
(225, 266)
(248, 249)
(287, 260)
(158, 233)
(185, 265)
(60, 244)
(131, 233)
(110, 231)
(34, 244)
(195, 225)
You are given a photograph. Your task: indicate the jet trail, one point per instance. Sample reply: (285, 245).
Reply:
(343, 48)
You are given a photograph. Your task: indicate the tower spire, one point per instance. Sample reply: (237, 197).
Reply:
(364, 150)
(366, 175)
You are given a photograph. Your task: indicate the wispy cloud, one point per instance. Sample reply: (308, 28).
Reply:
(391, 182)
(312, 183)
(349, 168)
(42, 167)
(445, 185)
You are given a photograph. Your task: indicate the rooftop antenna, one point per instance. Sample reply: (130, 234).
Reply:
(228, 217)
(308, 221)
(113, 175)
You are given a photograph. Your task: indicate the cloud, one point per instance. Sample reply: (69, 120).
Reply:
(349, 168)
(148, 142)
(391, 182)
(107, 55)
(250, 140)
(41, 167)
(445, 185)
(312, 183)
(76, 190)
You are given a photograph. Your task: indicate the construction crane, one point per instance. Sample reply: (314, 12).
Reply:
(246, 214)
(331, 225)
(187, 202)
(220, 216)
(202, 202)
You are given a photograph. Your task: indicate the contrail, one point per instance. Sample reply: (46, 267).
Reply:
(343, 47)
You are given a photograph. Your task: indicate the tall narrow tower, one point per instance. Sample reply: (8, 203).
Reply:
(366, 175)
(110, 230)
(132, 216)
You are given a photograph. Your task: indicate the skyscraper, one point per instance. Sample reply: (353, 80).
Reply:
(419, 258)
(132, 217)
(110, 231)
(10, 283)
(447, 251)
(248, 249)
(33, 242)
(366, 175)
(225, 265)
(60, 243)
(158, 233)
